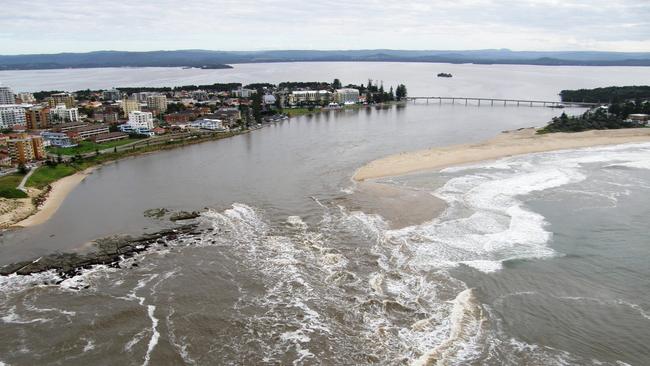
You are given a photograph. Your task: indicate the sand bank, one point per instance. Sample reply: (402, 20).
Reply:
(399, 206)
(509, 143)
(60, 190)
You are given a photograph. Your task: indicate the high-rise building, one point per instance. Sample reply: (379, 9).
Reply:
(157, 103)
(139, 119)
(24, 148)
(12, 115)
(130, 105)
(38, 118)
(6, 95)
(112, 94)
(61, 98)
(62, 114)
(25, 98)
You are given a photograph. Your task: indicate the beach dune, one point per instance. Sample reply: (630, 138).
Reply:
(523, 141)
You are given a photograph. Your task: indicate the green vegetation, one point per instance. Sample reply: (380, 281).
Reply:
(295, 112)
(628, 100)
(88, 146)
(612, 94)
(598, 119)
(401, 92)
(8, 185)
(48, 174)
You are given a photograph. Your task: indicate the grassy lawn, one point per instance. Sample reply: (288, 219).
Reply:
(293, 112)
(88, 146)
(47, 174)
(8, 185)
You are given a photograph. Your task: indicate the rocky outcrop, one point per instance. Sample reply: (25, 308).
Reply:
(184, 215)
(107, 251)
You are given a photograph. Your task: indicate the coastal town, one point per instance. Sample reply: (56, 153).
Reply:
(48, 135)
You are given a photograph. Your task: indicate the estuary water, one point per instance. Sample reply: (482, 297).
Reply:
(537, 260)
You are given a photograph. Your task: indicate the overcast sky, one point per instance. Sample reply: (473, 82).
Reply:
(45, 26)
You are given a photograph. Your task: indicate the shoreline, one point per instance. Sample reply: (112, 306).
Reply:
(59, 192)
(60, 188)
(507, 143)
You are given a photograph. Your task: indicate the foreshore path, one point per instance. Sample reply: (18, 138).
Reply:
(21, 186)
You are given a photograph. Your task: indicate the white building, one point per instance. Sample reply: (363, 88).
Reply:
(242, 93)
(269, 99)
(62, 114)
(7, 95)
(208, 124)
(12, 115)
(59, 139)
(314, 96)
(139, 119)
(25, 97)
(347, 96)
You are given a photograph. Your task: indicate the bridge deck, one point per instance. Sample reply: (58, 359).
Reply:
(505, 101)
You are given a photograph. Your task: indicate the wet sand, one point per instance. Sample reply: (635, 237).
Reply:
(60, 190)
(509, 143)
(399, 206)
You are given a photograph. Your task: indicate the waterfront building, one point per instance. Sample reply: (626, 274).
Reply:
(24, 148)
(347, 96)
(208, 124)
(130, 129)
(7, 95)
(12, 115)
(139, 119)
(109, 136)
(62, 113)
(309, 96)
(229, 116)
(38, 117)
(157, 103)
(58, 139)
(87, 132)
(639, 118)
(130, 105)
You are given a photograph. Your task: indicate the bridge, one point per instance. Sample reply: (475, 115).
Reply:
(505, 102)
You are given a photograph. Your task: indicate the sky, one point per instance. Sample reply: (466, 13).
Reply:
(45, 26)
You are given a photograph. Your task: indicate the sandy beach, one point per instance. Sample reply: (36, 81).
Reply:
(509, 143)
(60, 190)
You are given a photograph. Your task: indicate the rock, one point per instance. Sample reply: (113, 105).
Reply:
(156, 212)
(184, 215)
(107, 251)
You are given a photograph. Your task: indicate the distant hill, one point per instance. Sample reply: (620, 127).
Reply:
(221, 59)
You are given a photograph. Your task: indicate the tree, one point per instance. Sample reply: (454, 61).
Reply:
(401, 92)
(257, 106)
(337, 84)
(278, 103)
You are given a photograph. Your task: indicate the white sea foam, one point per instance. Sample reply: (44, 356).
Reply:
(89, 346)
(13, 318)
